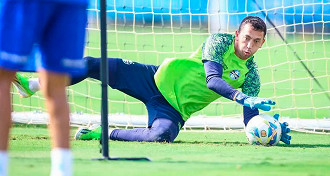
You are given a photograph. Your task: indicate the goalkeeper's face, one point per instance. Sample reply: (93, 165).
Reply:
(248, 41)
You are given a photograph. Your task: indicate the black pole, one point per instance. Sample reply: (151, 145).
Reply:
(104, 71)
(104, 81)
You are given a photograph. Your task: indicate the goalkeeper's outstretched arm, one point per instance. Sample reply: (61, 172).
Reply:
(215, 82)
(251, 105)
(213, 71)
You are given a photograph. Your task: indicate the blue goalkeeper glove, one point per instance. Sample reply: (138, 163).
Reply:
(254, 102)
(285, 130)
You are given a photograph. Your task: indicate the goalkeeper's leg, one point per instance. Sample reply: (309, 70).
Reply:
(137, 80)
(29, 86)
(164, 124)
(26, 87)
(162, 130)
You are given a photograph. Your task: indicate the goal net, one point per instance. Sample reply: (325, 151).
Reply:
(151, 30)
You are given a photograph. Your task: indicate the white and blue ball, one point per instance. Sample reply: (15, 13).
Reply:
(263, 130)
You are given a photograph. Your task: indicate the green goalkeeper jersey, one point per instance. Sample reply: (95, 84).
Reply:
(182, 81)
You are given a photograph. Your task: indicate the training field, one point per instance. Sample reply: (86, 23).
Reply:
(204, 153)
(149, 32)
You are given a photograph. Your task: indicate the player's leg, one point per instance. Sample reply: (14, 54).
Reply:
(16, 41)
(162, 130)
(129, 77)
(29, 86)
(25, 86)
(123, 75)
(5, 117)
(137, 80)
(53, 88)
(62, 49)
(6, 78)
(164, 124)
(93, 70)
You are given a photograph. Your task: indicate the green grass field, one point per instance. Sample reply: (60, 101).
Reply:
(204, 153)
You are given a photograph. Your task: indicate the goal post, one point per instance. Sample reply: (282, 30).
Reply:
(151, 30)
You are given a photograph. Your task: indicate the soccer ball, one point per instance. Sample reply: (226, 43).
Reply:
(263, 130)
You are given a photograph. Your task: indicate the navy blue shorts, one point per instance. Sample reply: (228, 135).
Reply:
(56, 29)
(136, 80)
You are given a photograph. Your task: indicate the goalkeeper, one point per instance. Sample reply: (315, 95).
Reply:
(179, 87)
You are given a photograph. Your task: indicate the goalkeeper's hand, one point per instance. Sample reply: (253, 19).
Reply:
(285, 130)
(254, 102)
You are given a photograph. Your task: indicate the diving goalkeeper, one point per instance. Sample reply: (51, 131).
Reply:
(179, 87)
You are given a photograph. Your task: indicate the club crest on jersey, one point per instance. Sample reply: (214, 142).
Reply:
(234, 74)
(128, 62)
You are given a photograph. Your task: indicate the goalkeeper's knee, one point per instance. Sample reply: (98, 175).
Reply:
(160, 136)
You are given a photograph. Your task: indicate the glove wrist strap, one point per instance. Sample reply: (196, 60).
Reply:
(240, 97)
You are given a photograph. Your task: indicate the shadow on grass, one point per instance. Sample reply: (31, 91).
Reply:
(237, 143)
(211, 143)
(305, 145)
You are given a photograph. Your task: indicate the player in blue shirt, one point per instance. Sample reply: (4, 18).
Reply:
(57, 27)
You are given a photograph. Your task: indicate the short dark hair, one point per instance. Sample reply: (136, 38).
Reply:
(257, 23)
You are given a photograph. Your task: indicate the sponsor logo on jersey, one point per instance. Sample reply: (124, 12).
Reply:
(128, 62)
(234, 74)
